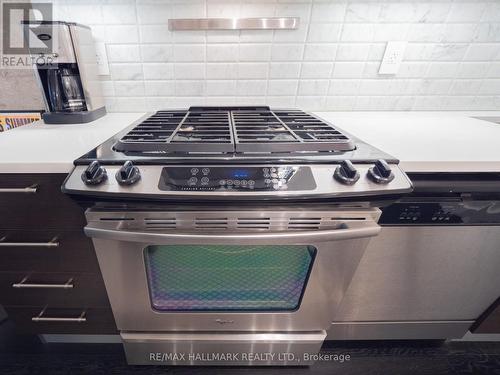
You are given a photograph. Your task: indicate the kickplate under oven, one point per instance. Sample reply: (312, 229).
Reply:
(223, 348)
(227, 277)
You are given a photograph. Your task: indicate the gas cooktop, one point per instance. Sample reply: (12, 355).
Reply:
(232, 130)
(244, 152)
(232, 134)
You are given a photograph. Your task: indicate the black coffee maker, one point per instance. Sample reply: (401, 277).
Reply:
(65, 65)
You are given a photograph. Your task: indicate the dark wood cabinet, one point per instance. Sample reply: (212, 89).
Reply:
(46, 261)
(53, 289)
(39, 203)
(47, 251)
(38, 320)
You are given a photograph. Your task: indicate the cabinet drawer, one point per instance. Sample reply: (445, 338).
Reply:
(36, 201)
(49, 250)
(62, 321)
(66, 290)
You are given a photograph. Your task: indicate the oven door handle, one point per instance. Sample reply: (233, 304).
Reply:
(346, 231)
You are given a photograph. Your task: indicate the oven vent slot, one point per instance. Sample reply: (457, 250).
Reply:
(307, 223)
(211, 223)
(240, 221)
(347, 218)
(116, 219)
(253, 223)
(165, 223)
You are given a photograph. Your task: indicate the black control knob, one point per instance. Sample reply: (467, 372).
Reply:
(381, 172)
(128, 174)
(345, 173)
(94, 174)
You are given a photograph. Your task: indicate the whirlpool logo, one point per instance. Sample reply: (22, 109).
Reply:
(224, 321)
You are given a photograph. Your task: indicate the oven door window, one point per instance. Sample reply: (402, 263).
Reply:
(227, 278)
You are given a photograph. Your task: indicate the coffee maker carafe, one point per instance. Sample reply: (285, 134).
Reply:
(65, 90)
(66, 69)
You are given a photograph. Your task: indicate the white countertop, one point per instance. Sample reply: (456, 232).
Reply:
(40, 148)
(422, 141)
(428, 141)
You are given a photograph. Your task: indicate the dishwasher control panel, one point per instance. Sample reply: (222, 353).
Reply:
(442, 213)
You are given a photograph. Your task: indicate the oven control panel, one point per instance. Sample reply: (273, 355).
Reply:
(240, 178)
(242, 181)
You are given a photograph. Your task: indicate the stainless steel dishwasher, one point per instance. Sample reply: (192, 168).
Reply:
(433, 269)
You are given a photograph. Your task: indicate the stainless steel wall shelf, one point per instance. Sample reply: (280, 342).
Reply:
(273, 23)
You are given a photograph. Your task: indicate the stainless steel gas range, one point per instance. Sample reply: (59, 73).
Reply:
(229, 235)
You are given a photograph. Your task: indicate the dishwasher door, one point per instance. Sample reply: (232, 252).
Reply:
(421, 282)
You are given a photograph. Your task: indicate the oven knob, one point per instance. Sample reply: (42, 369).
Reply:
(381, 172)
(94, 174)
(128, 174)
(345, 173)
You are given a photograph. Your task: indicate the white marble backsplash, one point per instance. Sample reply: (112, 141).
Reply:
(452, 61)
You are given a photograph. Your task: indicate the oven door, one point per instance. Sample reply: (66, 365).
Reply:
(228, 271)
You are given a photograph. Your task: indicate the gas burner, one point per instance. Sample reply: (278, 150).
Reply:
(233, 130)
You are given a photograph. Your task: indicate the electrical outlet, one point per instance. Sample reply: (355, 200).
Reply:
(394, 52)
(102, 59)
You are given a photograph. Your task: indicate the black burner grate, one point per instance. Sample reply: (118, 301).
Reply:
(283, 131)
(156, 129)
(233, 129)
(209, 131)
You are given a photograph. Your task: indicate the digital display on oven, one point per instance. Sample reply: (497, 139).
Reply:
(241, 173)
(241, 178)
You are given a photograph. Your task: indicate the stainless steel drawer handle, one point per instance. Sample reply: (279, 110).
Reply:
(27, 190)
(23, 284)
(40, 318)
(52, 243)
